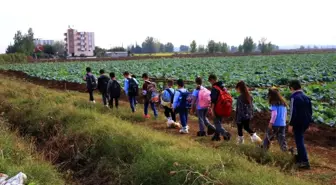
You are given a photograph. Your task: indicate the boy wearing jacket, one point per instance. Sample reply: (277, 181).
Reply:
(102, 85)
(90, 83)
(147, 101)
(131, 89)
(113, 91)
(217, 119)
(183, 112)
(300, 119)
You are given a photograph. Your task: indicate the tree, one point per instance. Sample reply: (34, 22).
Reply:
(212, 46)
(193, 46)
(136, 49)
(151, 45)
(116, 49)
(240, 48)
(59, 47)
(99, 52)
(22, 43)
(184, 48)
(169, 47)
(223, 47)
(302, 47)
(49, 49)
(265, 47)
(248, 45)
(201, 48)
(162, 48)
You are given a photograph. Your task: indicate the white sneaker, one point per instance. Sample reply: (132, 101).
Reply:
(170, 123)
(255, 138)
(184, 131)
(240, 140)
(107, 106)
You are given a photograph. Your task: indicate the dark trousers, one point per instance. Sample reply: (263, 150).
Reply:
(279, 133)
(218, 125)
(301, 149)
(132, 102)
(169, 113)
(146, 105)
(105, 98)
(116, 102)
(91, 94)
(246, 125)
(183, 117)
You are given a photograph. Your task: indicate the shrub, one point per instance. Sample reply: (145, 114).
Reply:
(13, 58)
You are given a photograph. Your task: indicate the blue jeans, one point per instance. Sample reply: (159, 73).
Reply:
(202, 119)
(132, 101)
(146, 105)
(301, 149)
(218, 125)
(184, 117)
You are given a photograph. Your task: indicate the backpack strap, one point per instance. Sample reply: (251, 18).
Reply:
(171, 95)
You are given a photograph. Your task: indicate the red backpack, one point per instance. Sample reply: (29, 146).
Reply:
(223, 106)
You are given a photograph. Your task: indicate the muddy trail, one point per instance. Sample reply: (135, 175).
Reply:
(320, 140)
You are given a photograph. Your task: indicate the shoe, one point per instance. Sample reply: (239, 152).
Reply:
(201, 134)
(211, 129)
(184, 131)
(227, 136)
(215, 137)
(146, 116)
(256, 139)
(303, 165)
(107, 106)
(170, 123)
(240, 140)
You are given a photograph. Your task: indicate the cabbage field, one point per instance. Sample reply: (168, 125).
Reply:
(317, 71)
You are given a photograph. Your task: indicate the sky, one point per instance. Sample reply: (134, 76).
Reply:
(125, 22)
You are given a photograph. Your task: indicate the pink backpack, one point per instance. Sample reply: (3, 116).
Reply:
(204, 99)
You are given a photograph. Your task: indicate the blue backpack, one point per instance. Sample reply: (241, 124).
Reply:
(184, 101)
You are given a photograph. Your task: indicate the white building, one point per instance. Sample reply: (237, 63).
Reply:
(43, 42)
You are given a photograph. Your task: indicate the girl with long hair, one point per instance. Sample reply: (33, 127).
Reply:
(244, 113)
(277, 125)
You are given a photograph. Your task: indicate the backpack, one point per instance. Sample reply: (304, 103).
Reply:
(223, 106)
(204, 99)
(133, 87)
(115, 89)
(184, 101)
(103, 87)
(246, 110)
(91, 81)
(152, 95)
(167, 98)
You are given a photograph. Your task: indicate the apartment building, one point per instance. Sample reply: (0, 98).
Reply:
(43, 42)
(79, 43)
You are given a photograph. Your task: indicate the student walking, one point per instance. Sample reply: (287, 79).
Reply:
(167, 101)
(202, 102)
(113, 91)
(134, 77)
(150, 95)
(131, 88)
(91, 83)
(277, 125)
(244, 113)
(181, 103)
(102, 86)
(300, 119)
(221, 106)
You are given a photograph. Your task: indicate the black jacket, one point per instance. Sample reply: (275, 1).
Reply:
(102, 83)
(214, 92)
(301, 111)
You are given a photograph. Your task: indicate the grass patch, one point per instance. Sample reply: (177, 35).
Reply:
(101, 147)
(17, 156)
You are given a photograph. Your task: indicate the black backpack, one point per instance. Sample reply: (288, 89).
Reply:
(115, 89)
(103, 83)
(133, 87)
(91, 81)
